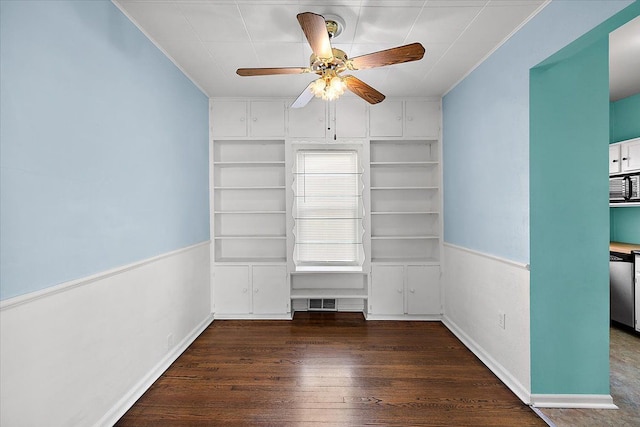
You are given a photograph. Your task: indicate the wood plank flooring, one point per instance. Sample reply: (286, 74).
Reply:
(328, 369)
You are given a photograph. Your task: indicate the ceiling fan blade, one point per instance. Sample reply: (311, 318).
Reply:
(271, 71)
(363, 90)
(396, 55)
(304, 98)
(315, 29)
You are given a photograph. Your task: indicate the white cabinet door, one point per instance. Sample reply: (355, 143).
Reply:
(423, 284)
(387, 289)
(229, 118)
(385, 119)
(422, 119)
(614, 158)
(231, 289)
(351, 118)
(270, 289)
(308, 121)
(267, 118)
(631, 155)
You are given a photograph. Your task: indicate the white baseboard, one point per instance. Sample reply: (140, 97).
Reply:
(284, 316)
(410, 317)
(130, 398)
(509, 380)
(577, 401)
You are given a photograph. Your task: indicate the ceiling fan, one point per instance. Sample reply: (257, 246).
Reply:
(329, 63)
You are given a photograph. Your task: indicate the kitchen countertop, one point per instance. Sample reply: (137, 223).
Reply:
(625, 248)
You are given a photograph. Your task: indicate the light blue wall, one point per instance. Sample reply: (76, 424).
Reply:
(486, 133)
(104, 145)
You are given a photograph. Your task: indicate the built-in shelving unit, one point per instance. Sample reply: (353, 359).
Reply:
(405, 214)
(249, 201)
(255, 275)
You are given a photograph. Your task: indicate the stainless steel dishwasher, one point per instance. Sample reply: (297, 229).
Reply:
(622, 289)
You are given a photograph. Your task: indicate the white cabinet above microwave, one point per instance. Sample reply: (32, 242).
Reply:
(624, 157)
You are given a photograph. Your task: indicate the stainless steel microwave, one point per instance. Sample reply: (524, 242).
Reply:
(624, 189)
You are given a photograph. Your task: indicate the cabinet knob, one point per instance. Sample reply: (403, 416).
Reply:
(255, 119)
(255, 291)
(625, 158)
(398, 118)
(244, 290)
(413, 291)
(399, 291)
(615, 160)
(242, 119)
(410, 119)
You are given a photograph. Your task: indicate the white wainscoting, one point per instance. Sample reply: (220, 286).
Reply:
(81, 353)
(477, 288)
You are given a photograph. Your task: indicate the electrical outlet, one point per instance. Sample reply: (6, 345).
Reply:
(501, 319)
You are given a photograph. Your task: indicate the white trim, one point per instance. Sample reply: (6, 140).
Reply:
(128, 400)
(509, 380)
(581, 401)
(72, 284)
(402, 317)
(512, 263)
(543, 416)
(159, 47)
(498, 46)
(243, 316)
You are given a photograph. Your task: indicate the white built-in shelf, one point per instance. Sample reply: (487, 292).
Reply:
(426, 237)
(250, 260)
(252, 237)
(405, 260)
(248, 163)
(405, 184)
(249, 201)
(404, 188)
(328, 293)
(406, 213)
(248, 212)
(430, 163)
(275, 187)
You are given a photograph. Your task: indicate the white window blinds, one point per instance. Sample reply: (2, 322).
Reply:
(328, 209)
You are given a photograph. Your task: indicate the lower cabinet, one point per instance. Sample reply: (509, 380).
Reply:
(251, 291)
(404, 290)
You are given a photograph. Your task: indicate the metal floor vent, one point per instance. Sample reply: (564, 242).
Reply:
(322, 304)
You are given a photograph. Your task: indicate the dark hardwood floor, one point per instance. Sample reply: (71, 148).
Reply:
(328, 369)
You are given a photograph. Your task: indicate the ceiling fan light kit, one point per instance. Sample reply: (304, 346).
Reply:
(330, 62)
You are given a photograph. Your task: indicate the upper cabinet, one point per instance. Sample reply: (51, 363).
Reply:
(624, 156)
(614, 159)
(264, 119)
(422, 119)
(411, 118)
(386, 119)
(351, 118)
(308, 122)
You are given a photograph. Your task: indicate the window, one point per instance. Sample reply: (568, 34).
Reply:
(328, 210)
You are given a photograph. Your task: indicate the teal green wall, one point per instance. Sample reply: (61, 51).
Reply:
(569, 124)
(625, 225)
(625, 118)
(625, 124)
(569, 120)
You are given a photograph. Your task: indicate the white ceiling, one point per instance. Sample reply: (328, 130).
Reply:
(624, 60)
(210, 39)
